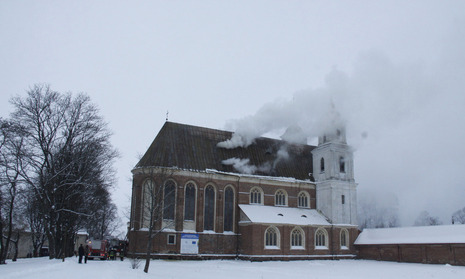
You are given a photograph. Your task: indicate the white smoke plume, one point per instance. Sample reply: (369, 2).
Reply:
(244, 166)
(377, 92)
(241, 165)
(403, 119)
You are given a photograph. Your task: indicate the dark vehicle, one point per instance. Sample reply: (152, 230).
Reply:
(97, 249)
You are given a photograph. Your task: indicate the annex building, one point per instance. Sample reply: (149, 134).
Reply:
(271, 200)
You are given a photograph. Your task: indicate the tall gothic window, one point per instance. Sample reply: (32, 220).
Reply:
(256, 196)
(344, 238)
(148, 197)
(280, 197)
(228, 209)
(322, 164)
(189, 202)
(272, 238)
(169, 200)
(342, 164)
(321, 238)
(209, 209)
(303, 200)
(297, 238)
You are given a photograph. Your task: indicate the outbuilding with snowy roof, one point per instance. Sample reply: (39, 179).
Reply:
(423, 244)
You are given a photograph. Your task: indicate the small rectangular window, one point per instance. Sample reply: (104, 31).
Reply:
(343, 199)
(171, 239)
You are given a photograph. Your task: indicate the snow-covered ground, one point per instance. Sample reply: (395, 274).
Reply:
(42, 268)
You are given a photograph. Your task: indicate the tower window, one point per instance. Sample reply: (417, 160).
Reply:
(343, 199)
(342, 164)
(322, 165)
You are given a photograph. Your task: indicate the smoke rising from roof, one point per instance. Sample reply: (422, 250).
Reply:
(404, 119)
(377, 92)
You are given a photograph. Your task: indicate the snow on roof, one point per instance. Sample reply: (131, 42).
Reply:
(274, 178)
(282, 215)
(413, 235)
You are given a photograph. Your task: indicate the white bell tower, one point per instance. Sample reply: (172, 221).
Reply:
(333, 170)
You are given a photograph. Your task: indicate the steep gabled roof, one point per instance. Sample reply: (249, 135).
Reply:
(195, 148)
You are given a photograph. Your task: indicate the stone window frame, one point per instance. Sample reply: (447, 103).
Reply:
(297, 231)
(233, 207)
(307, 196)
(214, 205)
(280, 198)
(164, 208)
(195, 201)
(144, 224)
(321, 235)
(272, 238)
(344, 239)
(254, 191)
(342, 164)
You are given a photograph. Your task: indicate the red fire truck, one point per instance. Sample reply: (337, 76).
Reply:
(97, 249)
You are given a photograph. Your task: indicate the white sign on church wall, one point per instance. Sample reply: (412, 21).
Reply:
(189, 243)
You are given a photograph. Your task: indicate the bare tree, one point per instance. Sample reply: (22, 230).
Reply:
(424, 219)
(11, 164)
(459, 216)
(70, 160)
(374, 212)
(157, 206)
(35, 223)
(104, 222)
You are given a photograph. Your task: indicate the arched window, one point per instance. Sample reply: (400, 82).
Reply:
(297, 238)
(189, 202)
(209, 209)
(342, 164)
(169, 200)
(228, 209)
(322, 164)
(148, 199)
(256, 196)
(280, 197)
(303, 200)
(344, 239)
(272, 238)
(321, 238)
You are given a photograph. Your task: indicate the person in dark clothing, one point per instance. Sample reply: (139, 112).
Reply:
(81, 253)
(86, 255)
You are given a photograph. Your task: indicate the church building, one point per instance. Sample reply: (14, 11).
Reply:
(271, 200)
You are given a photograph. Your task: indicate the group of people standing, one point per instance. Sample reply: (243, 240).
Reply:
(83, 252)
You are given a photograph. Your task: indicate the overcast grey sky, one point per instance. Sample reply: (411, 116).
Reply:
(394, 69)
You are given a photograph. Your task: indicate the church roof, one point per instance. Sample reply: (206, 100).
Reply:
(283, 215)
(195, 148)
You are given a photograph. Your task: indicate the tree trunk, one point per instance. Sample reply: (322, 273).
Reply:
(149, 249)
(15, 256)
